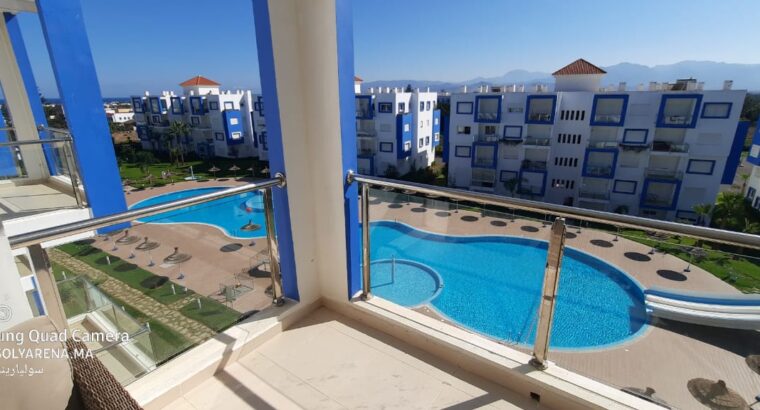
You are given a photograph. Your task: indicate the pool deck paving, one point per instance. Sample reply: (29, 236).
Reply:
(665, 356)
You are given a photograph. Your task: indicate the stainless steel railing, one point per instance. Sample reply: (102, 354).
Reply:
(33, 240)
(556, 241)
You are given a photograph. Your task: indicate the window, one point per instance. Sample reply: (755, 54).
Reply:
(422, 106)
(421, 143)
(401, 107)
(462, 151)
(385, 107)
(679, 110)
(386, 147)
(436, 137)
(461, 129)
(213, 105)
(624, 187)
(219, 136)
(427, 140)
(195, 120)
(435, 120)
(234, 121)
(609, 109)
(700, 167)
(514, 109)
(716, 110)
(406, 128)
(635, 136)
(196, 105)
(237, 135)
(385, 127)
(407, 145)
(427, 105)
(512, 131)
(162, 103)
(464, 108)
(137, 105)
(229, 105)
(176, 105)
(490, 129)
(507, 175)
(156, 119)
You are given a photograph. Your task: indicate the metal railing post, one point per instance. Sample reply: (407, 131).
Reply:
(274, 252)
(48, 286)
(549, 293)
(69, 157)
(365, 241)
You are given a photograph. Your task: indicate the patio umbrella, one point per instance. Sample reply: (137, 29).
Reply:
(214, 170)
(715, 395)
(647, 394)
(176, 257)
(253, 174)
(753, 361)
(265, 170)
(234, 168)
(147, 246)
(250, 227)
(127, 239)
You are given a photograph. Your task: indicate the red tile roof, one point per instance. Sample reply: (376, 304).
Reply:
(579, 67)
(357, 79)
(198, 80)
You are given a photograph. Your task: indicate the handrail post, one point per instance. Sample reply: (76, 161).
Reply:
(549, 293)
(274, 252)
(48, 286)
(69, 157)
(365, 241)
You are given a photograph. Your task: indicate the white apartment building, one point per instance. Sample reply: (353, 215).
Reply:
(396, 129)
(752, 190)
(654, 152)
(223, 123)
(119, 115)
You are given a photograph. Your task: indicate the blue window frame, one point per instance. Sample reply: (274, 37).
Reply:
(595, 171)
(162, 103)
(229, 105)
(609, 116)
(543, 116)
(491, 161)
(155, 106)
(488, 108)
(677, 119)
(700, 166)
(177, 105)
(463, 151)
(464, 108)
(196, 106)
(195, 120)
(219, 136)
(385, 107)
(513, 132)
(137, 105)
(647, 203)
(386, 147)
(213, 106)
(364, 107)
(507, 175)
(720, 110)
(635, 136)
(259, 105)
(622, 186)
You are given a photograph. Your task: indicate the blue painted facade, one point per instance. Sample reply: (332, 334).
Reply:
(676, 192)
(697, 98)
(30, 85)
(487, 117)
(530, 99)
(735, 155)
(754, 160)
(436, 127)
(66, 38)
(588, 173)
(600, 98)
(137, 105)
(445, 125)
(268, 77)
(404, 135)
(233, 123)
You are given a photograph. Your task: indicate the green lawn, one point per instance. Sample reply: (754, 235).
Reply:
(124, 271)
(137, 178)
(739, 271)
(212, 314)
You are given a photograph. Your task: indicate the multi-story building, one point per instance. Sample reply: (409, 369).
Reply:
(654, 152)
(396, 129)
(119, 115)
(223, 123)
(752, 190)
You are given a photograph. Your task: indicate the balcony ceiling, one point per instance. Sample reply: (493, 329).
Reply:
(17, 6)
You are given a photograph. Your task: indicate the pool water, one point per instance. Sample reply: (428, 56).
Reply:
(228, 214)
(492, 285)
(405, 282)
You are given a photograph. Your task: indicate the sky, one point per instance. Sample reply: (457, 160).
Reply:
(140, 45)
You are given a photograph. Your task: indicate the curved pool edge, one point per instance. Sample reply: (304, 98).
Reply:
(221, 229)
(642, 331)
(433, 272)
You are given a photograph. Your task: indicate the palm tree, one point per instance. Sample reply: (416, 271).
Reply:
(179, 131)
(703, 211)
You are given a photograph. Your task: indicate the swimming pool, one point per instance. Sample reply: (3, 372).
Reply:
(492, 285)
(228, 214)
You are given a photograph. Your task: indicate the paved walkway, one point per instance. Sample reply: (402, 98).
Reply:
(168, 315)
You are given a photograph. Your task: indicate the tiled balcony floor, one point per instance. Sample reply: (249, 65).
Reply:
(21, 200)
(328, 361)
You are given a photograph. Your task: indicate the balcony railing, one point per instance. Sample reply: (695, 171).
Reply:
(666, 146)
(598, 170)
(540, 116)
(486, 138)
(488, 116)
(602, 144)
(634, 146)
(484, 161)
(676, 119)
(538, 141)
(366, 134)
(607, 118)
(586, 194)
(657, 201)
(664, 173)
(529, 165)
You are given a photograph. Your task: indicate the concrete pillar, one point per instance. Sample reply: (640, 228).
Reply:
(14, 306)
(305, 50)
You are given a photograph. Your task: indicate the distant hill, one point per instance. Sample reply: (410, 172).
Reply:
(745, 76)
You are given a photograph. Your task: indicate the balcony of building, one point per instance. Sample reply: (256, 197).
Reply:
(531, 165)
(488, 108)
(485, 154)
(609, 110)
(679, 110)
(483, 179)
(594, 189)
(600, 162)
(541, 109)
(544, 142)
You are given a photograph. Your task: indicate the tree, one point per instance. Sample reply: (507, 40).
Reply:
(511, 185)
(730, 211)
(179, 131)
(145, 159)
(751, 108)
(703, 211)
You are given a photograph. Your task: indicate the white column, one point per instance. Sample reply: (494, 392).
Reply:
(14, 306)
(18, 107)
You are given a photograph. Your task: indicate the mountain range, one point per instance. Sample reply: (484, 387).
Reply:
(745, 76)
